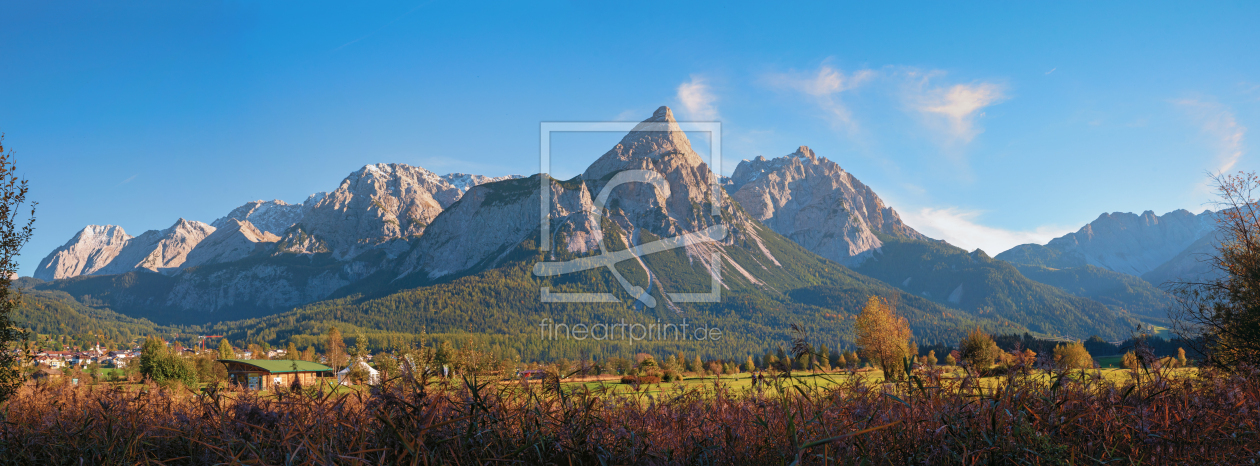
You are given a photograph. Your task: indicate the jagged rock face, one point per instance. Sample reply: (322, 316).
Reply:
(659, 145)
(232, 240)
(269, 216)
(1120, 242)
(374, 206)
(492, 219)
(456, 184)
(159, 250)
(103, 250)
(87, 252)
(815, 203)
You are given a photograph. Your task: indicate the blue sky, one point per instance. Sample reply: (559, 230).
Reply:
(988, 124)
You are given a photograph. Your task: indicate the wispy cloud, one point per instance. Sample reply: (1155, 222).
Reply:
(825, 87)
(1218, 123)
(697, 99)
(128, 180)
(955, 109)
(959, 228)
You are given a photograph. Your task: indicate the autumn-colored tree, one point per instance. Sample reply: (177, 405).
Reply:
(291, 352)
(225, 350)
(256, 351)
(883, 336)
(1181, 357)
(749, 365)
(931, 358)
(1130, 361)
(335, 349)
(1073, 356)
(950, 361)
(1220, 315)
(978, 350)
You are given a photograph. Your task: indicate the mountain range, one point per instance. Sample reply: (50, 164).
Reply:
(396, 249)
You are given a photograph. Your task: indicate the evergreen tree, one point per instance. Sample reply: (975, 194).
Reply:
(836, 359)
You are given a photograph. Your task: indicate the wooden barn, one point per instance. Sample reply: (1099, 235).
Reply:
(266, 374)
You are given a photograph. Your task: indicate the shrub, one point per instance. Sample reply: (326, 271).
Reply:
(1028, 422)
(642, 379)
(671, 376)
(1129, 361)
(978, 349)
(158, 363)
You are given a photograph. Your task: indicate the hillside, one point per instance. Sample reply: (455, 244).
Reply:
(1116, 290)
(1122, 242)
(58, 313)
(990, 288)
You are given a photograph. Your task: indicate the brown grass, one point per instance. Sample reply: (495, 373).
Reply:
(1078, 418)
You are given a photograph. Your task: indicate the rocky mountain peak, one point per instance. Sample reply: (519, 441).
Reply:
(806, 153)
(657, 144)
(90, 250)
(233, 240)
(375, 205)
(1121, 242)
(814, 202)
(655, 141)
(159, 250)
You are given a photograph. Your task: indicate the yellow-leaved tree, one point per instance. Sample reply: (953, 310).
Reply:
(883, 336)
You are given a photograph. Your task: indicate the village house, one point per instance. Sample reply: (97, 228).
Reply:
(267, 374)
(52, 362)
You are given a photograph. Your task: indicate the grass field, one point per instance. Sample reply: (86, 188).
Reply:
(1078, 417)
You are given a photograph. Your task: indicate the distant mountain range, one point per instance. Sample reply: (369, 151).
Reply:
(397, 248)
